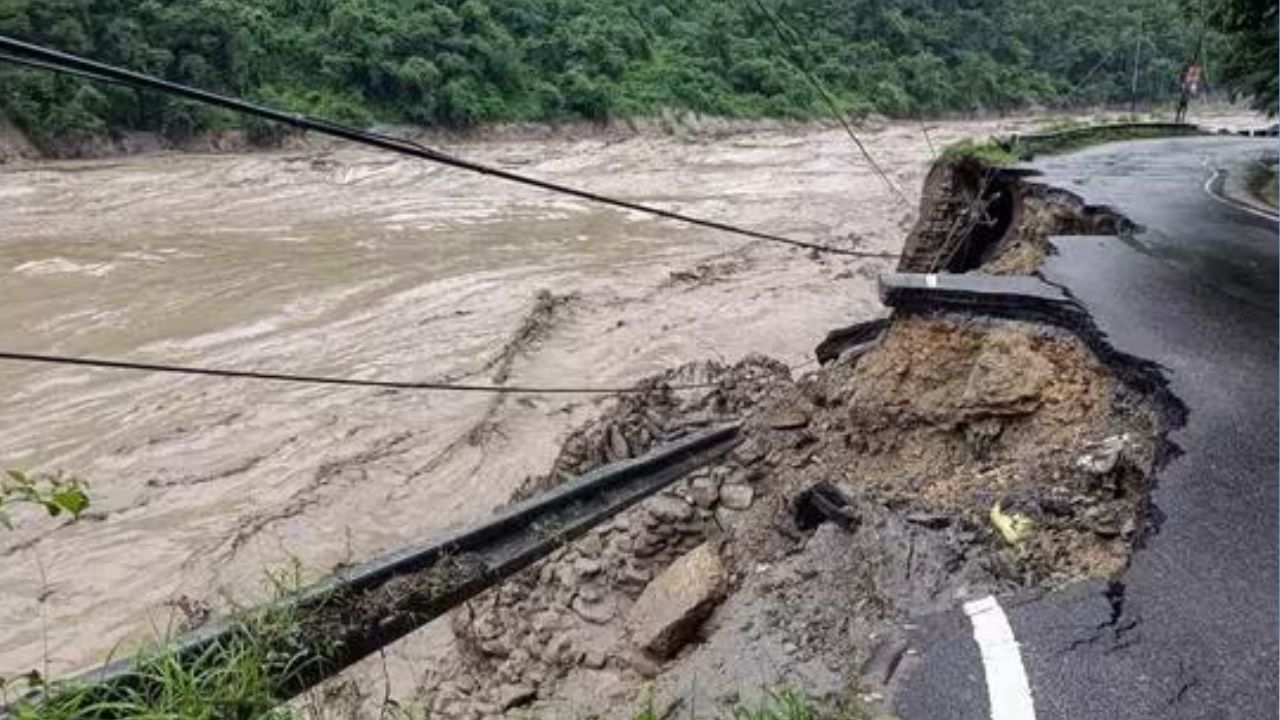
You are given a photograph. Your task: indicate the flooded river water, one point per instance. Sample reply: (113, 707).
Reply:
(358, 264)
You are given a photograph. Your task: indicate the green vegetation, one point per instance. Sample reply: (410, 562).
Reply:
(1250, 68)
(1059, 138)
(989, 151)
(234, 682)
(1088, 135)
(461, 62)
(236, 679)
(55, 492)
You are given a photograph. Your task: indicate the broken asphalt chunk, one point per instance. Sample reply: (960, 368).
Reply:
(825, 502)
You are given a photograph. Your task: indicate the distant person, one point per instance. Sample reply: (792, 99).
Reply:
(1189, 79)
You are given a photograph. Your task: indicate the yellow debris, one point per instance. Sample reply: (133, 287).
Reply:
(1013, 527)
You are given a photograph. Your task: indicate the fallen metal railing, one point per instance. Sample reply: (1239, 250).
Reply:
(365, 608)
(1015, 296)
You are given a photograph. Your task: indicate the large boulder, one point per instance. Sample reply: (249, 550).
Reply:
(673, 606)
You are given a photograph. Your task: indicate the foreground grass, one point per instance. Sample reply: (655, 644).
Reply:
(236, 679)
(988, 151)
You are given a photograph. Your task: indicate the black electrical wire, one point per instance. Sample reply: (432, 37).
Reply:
(12, 50)
(924, 130)
(323, 380)
(830, 101)
(1087, 77)
(50, 67)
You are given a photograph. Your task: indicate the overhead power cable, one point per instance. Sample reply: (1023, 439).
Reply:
(109, 364)
(924, 130)
(826, 96)
(1088, 76)
(50, 67)
(12, 50)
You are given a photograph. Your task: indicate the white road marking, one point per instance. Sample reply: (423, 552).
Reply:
(1008, 690)
(1208, 188)
(931, 280)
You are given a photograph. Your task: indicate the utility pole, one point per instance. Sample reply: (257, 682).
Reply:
(1133, 92)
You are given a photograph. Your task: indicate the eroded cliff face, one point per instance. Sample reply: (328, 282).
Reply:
(978, 218)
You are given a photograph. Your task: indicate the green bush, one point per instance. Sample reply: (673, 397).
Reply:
(463, 62)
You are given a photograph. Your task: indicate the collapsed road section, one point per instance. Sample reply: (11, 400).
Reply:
(984, 439)
(1187, 629)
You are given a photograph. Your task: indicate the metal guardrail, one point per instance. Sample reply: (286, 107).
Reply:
(358, 611)
(1015, 296)
(1029, 141)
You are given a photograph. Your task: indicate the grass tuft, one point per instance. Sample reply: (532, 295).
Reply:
(237, 679)
(1061, 136)
(790, 703)
(985, 150)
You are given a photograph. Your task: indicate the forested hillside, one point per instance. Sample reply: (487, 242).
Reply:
(462, 62)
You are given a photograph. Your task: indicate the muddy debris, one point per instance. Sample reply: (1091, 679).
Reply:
(533, 327)
(355, 614)
(706, 273)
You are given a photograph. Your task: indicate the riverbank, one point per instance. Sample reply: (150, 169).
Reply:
(16, 147)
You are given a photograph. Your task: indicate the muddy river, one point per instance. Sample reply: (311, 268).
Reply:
(364, 265)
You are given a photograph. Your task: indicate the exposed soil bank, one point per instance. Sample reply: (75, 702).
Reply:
(15, 146)
(978, 218)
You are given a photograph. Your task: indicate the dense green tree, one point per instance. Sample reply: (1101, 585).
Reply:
(463, 62)
(1252, 62)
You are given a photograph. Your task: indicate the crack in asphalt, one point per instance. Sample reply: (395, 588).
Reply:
(1186, 681)
(1116, 629)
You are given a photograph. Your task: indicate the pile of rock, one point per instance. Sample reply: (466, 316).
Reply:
(639, 422)
(628, 595)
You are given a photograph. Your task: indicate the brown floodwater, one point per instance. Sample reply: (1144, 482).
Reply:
(365, 265)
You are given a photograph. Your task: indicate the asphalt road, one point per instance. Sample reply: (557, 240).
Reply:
(1190, 629)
